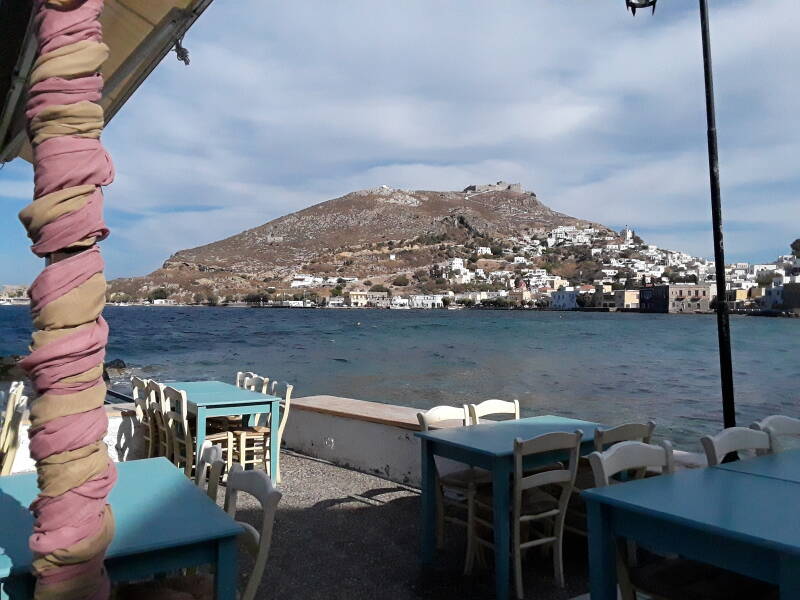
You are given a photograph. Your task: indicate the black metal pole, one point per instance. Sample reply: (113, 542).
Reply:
(723, 323)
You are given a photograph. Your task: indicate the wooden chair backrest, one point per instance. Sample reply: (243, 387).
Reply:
(14, 399)
(564, 477)
(629, 432)
(734, 439)
(285, 391)
(256, 383)
(630, 456)
(492, 407)
(140, 400)
(257, 484)
(241, 376)
(439, 414)
(210, 467)
(8, 450)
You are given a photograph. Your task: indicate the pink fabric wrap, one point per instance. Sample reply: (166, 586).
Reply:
(59, 278)
(61, 162)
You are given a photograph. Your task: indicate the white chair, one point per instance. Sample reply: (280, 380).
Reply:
(143, 414)
(631, 458)
(15, 398)
(12, 422)
(493, 407)
(457, 484)
(533, 503)
(629, 432)
(257, 542)
(177, 417)
(241, 377)
(779, 427)
(734, 439)
(208, 472)
(162, 444)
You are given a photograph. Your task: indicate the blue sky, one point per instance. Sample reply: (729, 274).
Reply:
(602, 115)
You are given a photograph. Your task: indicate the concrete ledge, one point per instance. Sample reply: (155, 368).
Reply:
(391, 415)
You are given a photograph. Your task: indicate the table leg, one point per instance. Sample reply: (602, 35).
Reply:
(200, 434)
(790, 577)
(502, 543)
(225, 576)
(274, 445)
(602, 553)
(428, 523)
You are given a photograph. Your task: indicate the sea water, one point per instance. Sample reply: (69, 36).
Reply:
(605, 367)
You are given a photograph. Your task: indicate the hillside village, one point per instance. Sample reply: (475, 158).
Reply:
(488, 245)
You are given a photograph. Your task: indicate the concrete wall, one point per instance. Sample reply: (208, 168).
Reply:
(124, 440)
(391, 452)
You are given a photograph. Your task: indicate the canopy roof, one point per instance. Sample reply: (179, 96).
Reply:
(139, 35)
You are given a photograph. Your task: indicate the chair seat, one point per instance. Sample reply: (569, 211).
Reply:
(681, 579)
(534, 501)
(463, 479)
(254, 431)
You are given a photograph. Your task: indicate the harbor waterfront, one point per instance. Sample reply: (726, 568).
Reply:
(605, 367)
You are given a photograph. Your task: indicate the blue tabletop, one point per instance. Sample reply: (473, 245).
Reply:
(212, 393)
(497, 439)
(758, 510)
(783, 465)
(155, 506)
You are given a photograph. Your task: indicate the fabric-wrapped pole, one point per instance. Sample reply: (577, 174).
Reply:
(73, 521)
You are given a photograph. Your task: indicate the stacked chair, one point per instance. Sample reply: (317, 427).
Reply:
(9, 430)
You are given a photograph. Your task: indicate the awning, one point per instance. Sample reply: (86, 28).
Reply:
(139, 35)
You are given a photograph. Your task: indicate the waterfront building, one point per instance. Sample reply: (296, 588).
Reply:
(427, 300)
(564, 299)
(520, 296)
(626, 299)
(676, 298)
(361, 299)
(336, 302)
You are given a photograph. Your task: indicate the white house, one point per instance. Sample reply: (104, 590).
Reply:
(303, 280)
(483, 250)
(336, 302)
(427, 300)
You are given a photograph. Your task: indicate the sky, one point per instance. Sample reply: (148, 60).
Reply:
(289, 104)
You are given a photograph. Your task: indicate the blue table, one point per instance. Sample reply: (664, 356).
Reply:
(218, 399)
(489, 446)
(734, 520)
(163, 523)
(782, 465)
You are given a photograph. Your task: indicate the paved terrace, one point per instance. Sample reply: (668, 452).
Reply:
(344, 534)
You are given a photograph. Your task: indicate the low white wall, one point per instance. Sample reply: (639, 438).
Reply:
(124, 439)
(391, 452)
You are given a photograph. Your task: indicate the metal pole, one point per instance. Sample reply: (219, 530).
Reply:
(723, 323)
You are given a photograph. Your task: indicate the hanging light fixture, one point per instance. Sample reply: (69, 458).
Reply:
(634, 5)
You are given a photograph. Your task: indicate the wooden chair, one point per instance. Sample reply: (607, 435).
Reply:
(257, 542)
(492, 407)
(603, 439)
(144, 415)
(778, 427)
(734, 439)
(455, 485)
(208, 472)
(12, 421)
(540, 498)
(178, 426)
(162, 445)
(15, 398)
(666, 578)
(251, 444)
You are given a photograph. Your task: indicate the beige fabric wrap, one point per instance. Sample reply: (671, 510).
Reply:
(54, 205)
(74, 60)
(72, 309)
(79, 552)
(64, 471)
(51, 406)
(82, 119)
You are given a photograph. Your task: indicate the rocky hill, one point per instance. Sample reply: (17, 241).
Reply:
(375, 234)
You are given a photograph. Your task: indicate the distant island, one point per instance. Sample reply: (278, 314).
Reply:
(489, 245)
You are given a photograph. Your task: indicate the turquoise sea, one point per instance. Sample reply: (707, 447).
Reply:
(605, 367)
